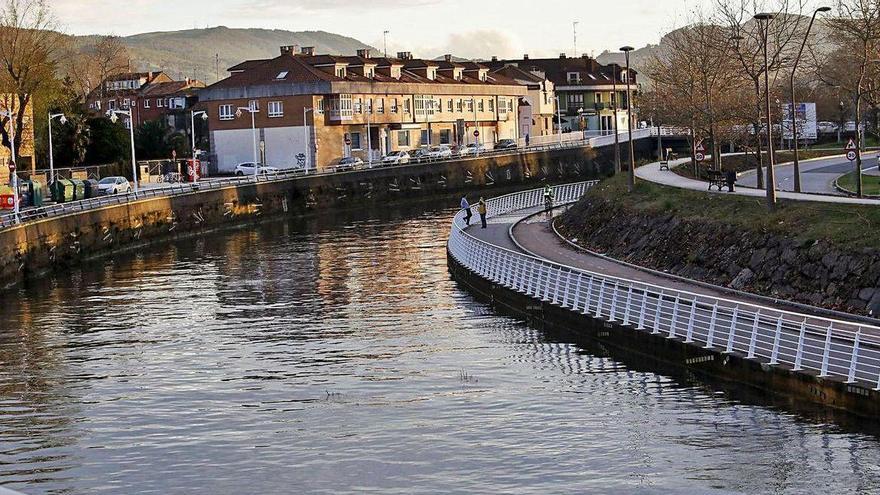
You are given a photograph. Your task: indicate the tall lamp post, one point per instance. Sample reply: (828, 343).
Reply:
(63, 120)
(794, 129)
(193, 115)
(614, 124)
(764, 20)
(306, 142)
(631, 178)
(13, 169)
(558, 118)
(253, 112)
(114, 117)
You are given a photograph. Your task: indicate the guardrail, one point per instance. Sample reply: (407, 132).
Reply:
(9, 219)
(831, 348)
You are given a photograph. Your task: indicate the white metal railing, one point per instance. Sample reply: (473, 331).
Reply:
(831, 348)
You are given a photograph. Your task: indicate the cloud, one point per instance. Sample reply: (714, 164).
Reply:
(480, 43)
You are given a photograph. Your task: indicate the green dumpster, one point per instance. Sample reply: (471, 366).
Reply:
(62, 191)
(79, 189)
(31, 193)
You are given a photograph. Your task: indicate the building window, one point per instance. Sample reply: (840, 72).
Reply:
(340, 72)
(254, 105)
(510, 105)
(459, 105)
(160, 103)
(480, 106)
(449, 105)
(276, 109)
(445, 136)
(111, 104)
(355, 140)
(370, 72)
(358, 106)
(426, 139)
(126, 103)
(575, 101)
(492, 105)
(281, 75)
(470, 105)
(598, 97)
(406, 108)
(402, 138)
(394, 105)
(226, 112)
(98, 104)
(369, 105)
(321, 106)
(395, 72)
(574, 77)
(146, 103)
(381, 106)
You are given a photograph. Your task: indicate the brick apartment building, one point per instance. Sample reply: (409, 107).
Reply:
(586, 89)
(148, 95)
(320, 108)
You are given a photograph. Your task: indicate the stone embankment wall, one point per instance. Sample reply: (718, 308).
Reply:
(809, 272)
(62, 241)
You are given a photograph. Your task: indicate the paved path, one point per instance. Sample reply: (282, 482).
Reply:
(817, 175)
(538, 239)
(652, 173)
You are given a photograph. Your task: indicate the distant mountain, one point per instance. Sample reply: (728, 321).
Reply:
(194, 52)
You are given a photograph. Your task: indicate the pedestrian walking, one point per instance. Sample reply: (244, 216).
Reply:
(527, 140)
(481, 209)
(467, 210)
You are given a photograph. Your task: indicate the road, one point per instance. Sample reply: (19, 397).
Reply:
(817, 176)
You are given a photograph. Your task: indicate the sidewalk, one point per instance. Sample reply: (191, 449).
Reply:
(652, 173)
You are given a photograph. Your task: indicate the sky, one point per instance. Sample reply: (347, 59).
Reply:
(467, 28)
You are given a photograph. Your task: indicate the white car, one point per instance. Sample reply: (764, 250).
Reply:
(348, 163)
(396, 158)
(114, 185)
(442, 152)
(247, 168)
(472, 149)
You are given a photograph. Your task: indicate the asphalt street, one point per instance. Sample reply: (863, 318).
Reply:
(817, 176)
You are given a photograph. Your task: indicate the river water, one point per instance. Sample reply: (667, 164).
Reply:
(337, 356)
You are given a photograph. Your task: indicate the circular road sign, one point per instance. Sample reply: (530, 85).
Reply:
(476, 133)
(851, 155)
(700, 156)
(347, 141)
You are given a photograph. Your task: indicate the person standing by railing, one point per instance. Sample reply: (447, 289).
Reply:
(481, 209)
(467, 210)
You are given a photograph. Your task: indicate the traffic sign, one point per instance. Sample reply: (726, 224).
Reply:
(851, 145)
(851, 155)
(700, 156)
(699, 147)
(347, 141)
(476, 133)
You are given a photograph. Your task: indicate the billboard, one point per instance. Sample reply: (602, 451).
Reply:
(805, 117)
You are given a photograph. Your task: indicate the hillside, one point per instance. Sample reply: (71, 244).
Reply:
(193, 52)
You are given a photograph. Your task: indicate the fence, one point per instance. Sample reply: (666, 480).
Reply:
(831, 348)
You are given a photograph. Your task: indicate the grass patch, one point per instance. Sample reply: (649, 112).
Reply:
(870, 183)
(744, 163)
(846, 226)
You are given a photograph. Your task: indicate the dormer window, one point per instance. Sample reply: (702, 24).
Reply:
(457, 74)
(340, 72)
(395, 72)
(484, 74)
(369, 72)
(574, 77)
(624, 76)
(432, 73)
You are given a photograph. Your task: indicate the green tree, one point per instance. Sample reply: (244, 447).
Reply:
(154, 140)
(109, 142)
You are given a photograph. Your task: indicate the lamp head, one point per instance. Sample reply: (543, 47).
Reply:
(63, 119)
(238, 113)
(764, 16)
(626, 48)
(205, 117)
(823, 9)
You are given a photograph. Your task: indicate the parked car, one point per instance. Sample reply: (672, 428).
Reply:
(348, 163)
(506, 144)
(471, 149)
(442, 152)
(114, 185)
(396, 158)
(247, 168)
(420, 155)
(826, 127)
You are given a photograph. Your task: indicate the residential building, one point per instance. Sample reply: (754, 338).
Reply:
(25, 153)
(315, 109)
(148, 95)
(585, 88)
(537, 110)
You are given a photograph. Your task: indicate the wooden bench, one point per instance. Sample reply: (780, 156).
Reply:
(716, 178)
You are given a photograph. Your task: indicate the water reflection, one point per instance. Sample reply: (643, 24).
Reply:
(335, 355)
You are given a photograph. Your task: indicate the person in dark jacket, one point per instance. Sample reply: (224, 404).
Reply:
(467, 210)
(730, 177)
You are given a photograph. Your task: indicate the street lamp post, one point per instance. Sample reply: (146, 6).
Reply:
(63, 120)
(306, 142)
(764, 20)
(558, 118)
(631, 180)
(794, 129)
(614, 118)
(14, 168)
(252, 111)
(193, 115)
(113, 118)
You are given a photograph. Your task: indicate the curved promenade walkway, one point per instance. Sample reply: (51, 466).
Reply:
(521, 252)
(652, 173)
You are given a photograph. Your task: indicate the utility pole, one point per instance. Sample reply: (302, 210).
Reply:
(574, 28)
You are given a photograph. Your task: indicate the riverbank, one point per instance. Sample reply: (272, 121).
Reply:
(813, 253)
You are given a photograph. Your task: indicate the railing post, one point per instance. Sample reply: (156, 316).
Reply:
(613, 313)
(643, 310)
(851, 378)
(589, 296)
(689, 337)
(599, 301)
(628, 308)
(826, 353)
(754, 338)
(674, 321)
(799, 356)
(729, 348)
(774, 356)
(577, 292)
(656, 329)
(713, 320)
(556, 286)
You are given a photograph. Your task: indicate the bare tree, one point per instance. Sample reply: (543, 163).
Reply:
(29, 46)
(92, 64)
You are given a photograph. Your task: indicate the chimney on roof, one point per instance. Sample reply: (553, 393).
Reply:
(404, 55)
(585, 55)
(287, 50)
(562, 55)
(526, 56)
(494, 58)
(363, 53)
(447, 57)
(308, 51)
